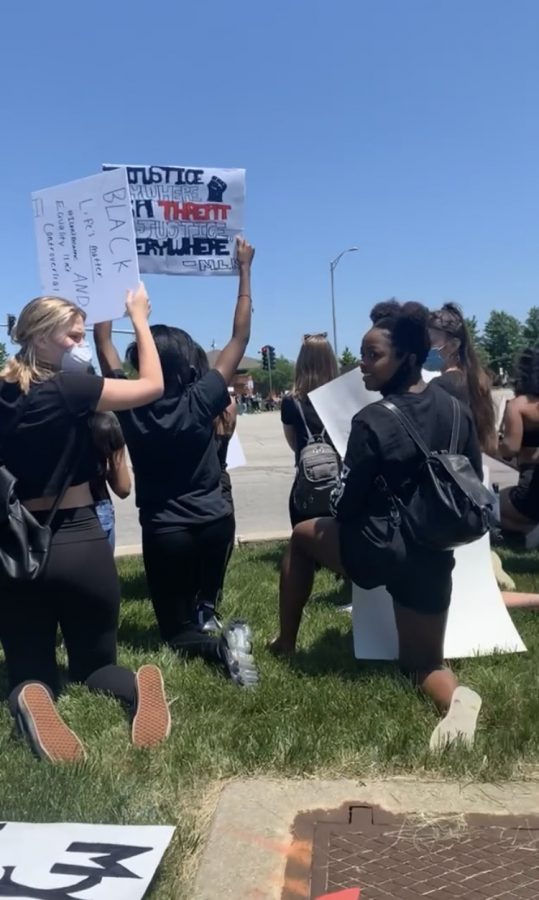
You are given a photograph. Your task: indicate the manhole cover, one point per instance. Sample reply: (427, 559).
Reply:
(403, 858)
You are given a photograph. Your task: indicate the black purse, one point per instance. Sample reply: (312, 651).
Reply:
(24, 542)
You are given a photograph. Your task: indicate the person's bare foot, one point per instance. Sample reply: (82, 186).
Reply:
(278, 648)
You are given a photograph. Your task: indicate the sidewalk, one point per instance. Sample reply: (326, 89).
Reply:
(277, 838)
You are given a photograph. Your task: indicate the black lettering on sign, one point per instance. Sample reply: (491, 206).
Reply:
(108, 859)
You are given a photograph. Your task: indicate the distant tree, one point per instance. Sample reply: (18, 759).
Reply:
(348, 361)
(530, 332)
(282, 377)
(502, 340)
(477, 341)
(3, 355)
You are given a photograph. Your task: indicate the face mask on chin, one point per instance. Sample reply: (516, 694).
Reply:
(434, 361)
(78, 358)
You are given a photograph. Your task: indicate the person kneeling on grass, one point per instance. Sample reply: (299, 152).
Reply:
(47, 400)
(392, 355)
(187, 523)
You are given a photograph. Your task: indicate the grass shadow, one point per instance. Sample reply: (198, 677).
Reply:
(333, 654)
(133, 586)
(523, 563)
(139, 636)
(270, 554)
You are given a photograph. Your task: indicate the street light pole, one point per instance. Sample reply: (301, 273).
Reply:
(332, 266)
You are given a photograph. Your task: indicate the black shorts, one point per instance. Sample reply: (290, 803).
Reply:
(525, 495)
(423, 583)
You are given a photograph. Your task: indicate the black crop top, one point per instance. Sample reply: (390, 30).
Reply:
(35, 449)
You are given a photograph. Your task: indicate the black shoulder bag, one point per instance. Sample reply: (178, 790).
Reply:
(24, 542)
(448, 505)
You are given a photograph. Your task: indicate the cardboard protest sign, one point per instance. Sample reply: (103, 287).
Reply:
(186, 218)
(65, 860)
(86, 243)
(478, 621)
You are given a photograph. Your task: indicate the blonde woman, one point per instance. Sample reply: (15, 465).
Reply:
(46, 400)
(316, 365)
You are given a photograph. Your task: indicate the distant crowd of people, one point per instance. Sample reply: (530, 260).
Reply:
(64, 432)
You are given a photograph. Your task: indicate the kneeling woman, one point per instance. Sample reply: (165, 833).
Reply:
(47, 399)
(187, 524)
(392, 355)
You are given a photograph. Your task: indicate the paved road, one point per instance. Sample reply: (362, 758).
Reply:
(262, 487)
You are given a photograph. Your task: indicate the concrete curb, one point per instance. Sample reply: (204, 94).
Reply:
(256, 537)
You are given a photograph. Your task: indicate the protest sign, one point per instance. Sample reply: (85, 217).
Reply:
(86, 243)
(65, 860)
(186, 218)
(478, 621)
(235, 457)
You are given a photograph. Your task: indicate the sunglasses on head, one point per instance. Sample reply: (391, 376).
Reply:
(309, 337)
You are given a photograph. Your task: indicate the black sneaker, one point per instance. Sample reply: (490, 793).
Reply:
(40, 722)
(236, 652)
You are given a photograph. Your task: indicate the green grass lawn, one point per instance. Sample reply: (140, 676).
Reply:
(326, 715)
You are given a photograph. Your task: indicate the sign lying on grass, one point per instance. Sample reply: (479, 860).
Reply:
(86, 243)
(65, 861)
(186, 218)
(478, 621)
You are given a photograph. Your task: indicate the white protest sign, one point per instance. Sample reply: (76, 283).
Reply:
(478, 621)
(86, 243)
(235, 457)
(66, 860)
(339, 400)
(186, 218)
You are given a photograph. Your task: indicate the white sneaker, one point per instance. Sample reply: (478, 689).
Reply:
(460, 721)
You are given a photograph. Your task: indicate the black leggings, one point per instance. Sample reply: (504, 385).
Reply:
(79, 592)
(181, 564)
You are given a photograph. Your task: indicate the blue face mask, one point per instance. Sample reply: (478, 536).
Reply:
(77, 358)
(434, 361)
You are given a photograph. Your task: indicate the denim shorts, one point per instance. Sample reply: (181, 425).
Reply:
(105, 514)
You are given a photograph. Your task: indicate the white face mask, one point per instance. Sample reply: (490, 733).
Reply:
(77, 358)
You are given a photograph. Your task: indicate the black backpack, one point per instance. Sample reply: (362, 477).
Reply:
(446, 506)
(318, 473)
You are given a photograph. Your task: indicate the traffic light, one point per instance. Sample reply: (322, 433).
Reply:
(10, 324)
(271, 351)
(265, 358)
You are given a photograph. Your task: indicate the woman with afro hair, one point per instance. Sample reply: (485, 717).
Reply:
(392, 355)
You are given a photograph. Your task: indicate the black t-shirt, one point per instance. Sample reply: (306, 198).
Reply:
(173, 450)
(290, 415)
(379, 445)
(36, 428)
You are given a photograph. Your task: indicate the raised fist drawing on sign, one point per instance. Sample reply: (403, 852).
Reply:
(216, 189)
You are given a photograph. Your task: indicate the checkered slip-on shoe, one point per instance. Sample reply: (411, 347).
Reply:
(44, 728)
(151, 724)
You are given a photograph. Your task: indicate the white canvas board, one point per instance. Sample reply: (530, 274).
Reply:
(235, 457)
(339, 400)
(86, 243)
(64, 860)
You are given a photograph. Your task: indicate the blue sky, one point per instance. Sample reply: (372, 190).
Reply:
(407, 127)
